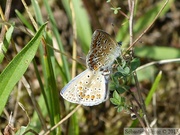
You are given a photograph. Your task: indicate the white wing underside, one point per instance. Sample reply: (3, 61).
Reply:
(88, 88)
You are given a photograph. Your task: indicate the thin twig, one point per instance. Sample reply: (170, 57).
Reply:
(142, 104)
(131, 9)
(64, 119)
(154, 109)
(35, 104)
(30, 15)
(158, 62)
(147, 27)
(17, 101)
(74, 39)
(5, 17)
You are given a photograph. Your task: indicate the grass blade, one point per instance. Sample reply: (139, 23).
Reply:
(17, 67)
(5, 44)
(153, 88)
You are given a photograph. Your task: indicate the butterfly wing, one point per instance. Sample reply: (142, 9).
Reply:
(103, 51)
(88, 88)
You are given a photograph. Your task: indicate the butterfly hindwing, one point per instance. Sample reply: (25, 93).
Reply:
(88, 88)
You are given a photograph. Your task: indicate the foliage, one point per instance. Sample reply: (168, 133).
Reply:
(38, 62)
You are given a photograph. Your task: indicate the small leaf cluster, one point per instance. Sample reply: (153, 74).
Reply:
(121, 80)
(118, 101)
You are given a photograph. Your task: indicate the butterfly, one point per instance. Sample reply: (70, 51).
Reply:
(90, 87)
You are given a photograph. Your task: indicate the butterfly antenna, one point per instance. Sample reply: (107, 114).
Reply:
(114, 33)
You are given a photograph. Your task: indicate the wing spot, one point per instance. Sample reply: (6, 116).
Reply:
(81, 95)
(105, 47)
(80, 82)
(86, 82)
(80, 88)
(100, 50)
(95, 67)
(99, 63)
(87, 97)
(105, 41)
(92, 97)
(98, 96)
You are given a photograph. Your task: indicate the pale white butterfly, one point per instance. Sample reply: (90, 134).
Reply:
(91, 86)
(88, 88)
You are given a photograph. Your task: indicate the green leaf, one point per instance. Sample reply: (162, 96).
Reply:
(126, 71)
(5, 44)
(120, 89)
(135, 63)
(24, 20)
(122, 71)
(21, 130)
(157, 52)
(17, 67)
(120, 108)
(116, 95)
(116, 10)
(114, 101)
(153, 88)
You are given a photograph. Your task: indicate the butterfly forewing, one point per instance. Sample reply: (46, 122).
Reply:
(103, 51)
(88, 88)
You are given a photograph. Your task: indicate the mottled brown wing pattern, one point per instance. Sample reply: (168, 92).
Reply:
(103, 51)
